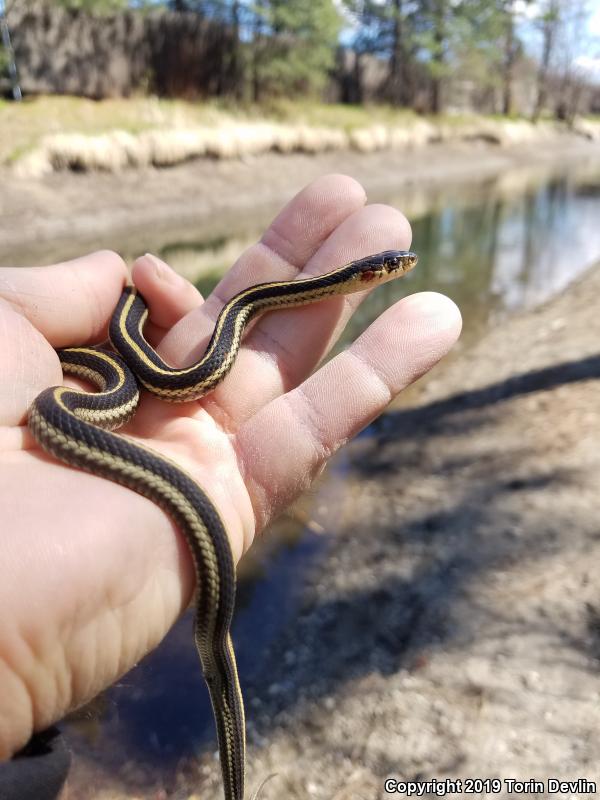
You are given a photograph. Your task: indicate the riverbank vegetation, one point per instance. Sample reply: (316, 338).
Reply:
(118, 134)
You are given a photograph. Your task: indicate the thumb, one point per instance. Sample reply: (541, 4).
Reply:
(46, 307)
(69, 303)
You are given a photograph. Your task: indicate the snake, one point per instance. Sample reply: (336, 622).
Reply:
(77, 428)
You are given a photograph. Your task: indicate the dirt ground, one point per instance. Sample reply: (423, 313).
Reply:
(46, 219)
(453, 630)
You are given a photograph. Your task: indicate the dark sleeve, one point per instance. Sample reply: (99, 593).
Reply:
(38, 771)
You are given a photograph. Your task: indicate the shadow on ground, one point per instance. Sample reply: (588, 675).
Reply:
(433, 520)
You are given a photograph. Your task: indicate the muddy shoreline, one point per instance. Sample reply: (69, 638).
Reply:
(63, 214)
(452, 631)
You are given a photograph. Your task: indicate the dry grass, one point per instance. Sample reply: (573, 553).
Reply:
(55, 133)
(24, 125)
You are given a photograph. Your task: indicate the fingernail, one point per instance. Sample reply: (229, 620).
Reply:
(161, 269)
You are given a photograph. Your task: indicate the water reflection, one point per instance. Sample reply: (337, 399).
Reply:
(493, 247)
(149, 726)
(545, 241)
(508, 249)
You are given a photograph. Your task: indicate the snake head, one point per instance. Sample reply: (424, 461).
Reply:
(385, 266)
(398, 260)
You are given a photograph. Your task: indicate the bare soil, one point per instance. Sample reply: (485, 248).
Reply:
(43, 220)
(453, 630)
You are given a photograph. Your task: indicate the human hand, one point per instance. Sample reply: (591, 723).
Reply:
(93, 575)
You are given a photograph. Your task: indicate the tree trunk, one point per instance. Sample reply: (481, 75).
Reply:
(550, 25)
(509, 62)
(439, 38)
(256, 53)
(400, 73)
(234, 77)
(573, 101)
(358, 94)
(12, 66)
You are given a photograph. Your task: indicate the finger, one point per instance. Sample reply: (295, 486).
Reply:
(294, 236)
(284, 347)
(69, 303)
(46, 307)
(291, 240)
(306, 426)
(169, 296)
(28, 364)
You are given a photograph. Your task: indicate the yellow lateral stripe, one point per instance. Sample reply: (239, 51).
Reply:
(293, 299)
(107, 357)
(141, 354)
(65, 421)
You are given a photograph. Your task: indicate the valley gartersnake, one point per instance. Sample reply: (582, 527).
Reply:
(75, 426)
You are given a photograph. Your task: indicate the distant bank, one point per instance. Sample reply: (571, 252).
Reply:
(117, 150)
(49, 135)
(64, 213)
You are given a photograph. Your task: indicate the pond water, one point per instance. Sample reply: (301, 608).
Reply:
(493, 247)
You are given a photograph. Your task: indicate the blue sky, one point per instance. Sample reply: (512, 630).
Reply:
(589, 61)
(583, 43)
(594, 24)
(594, 30)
